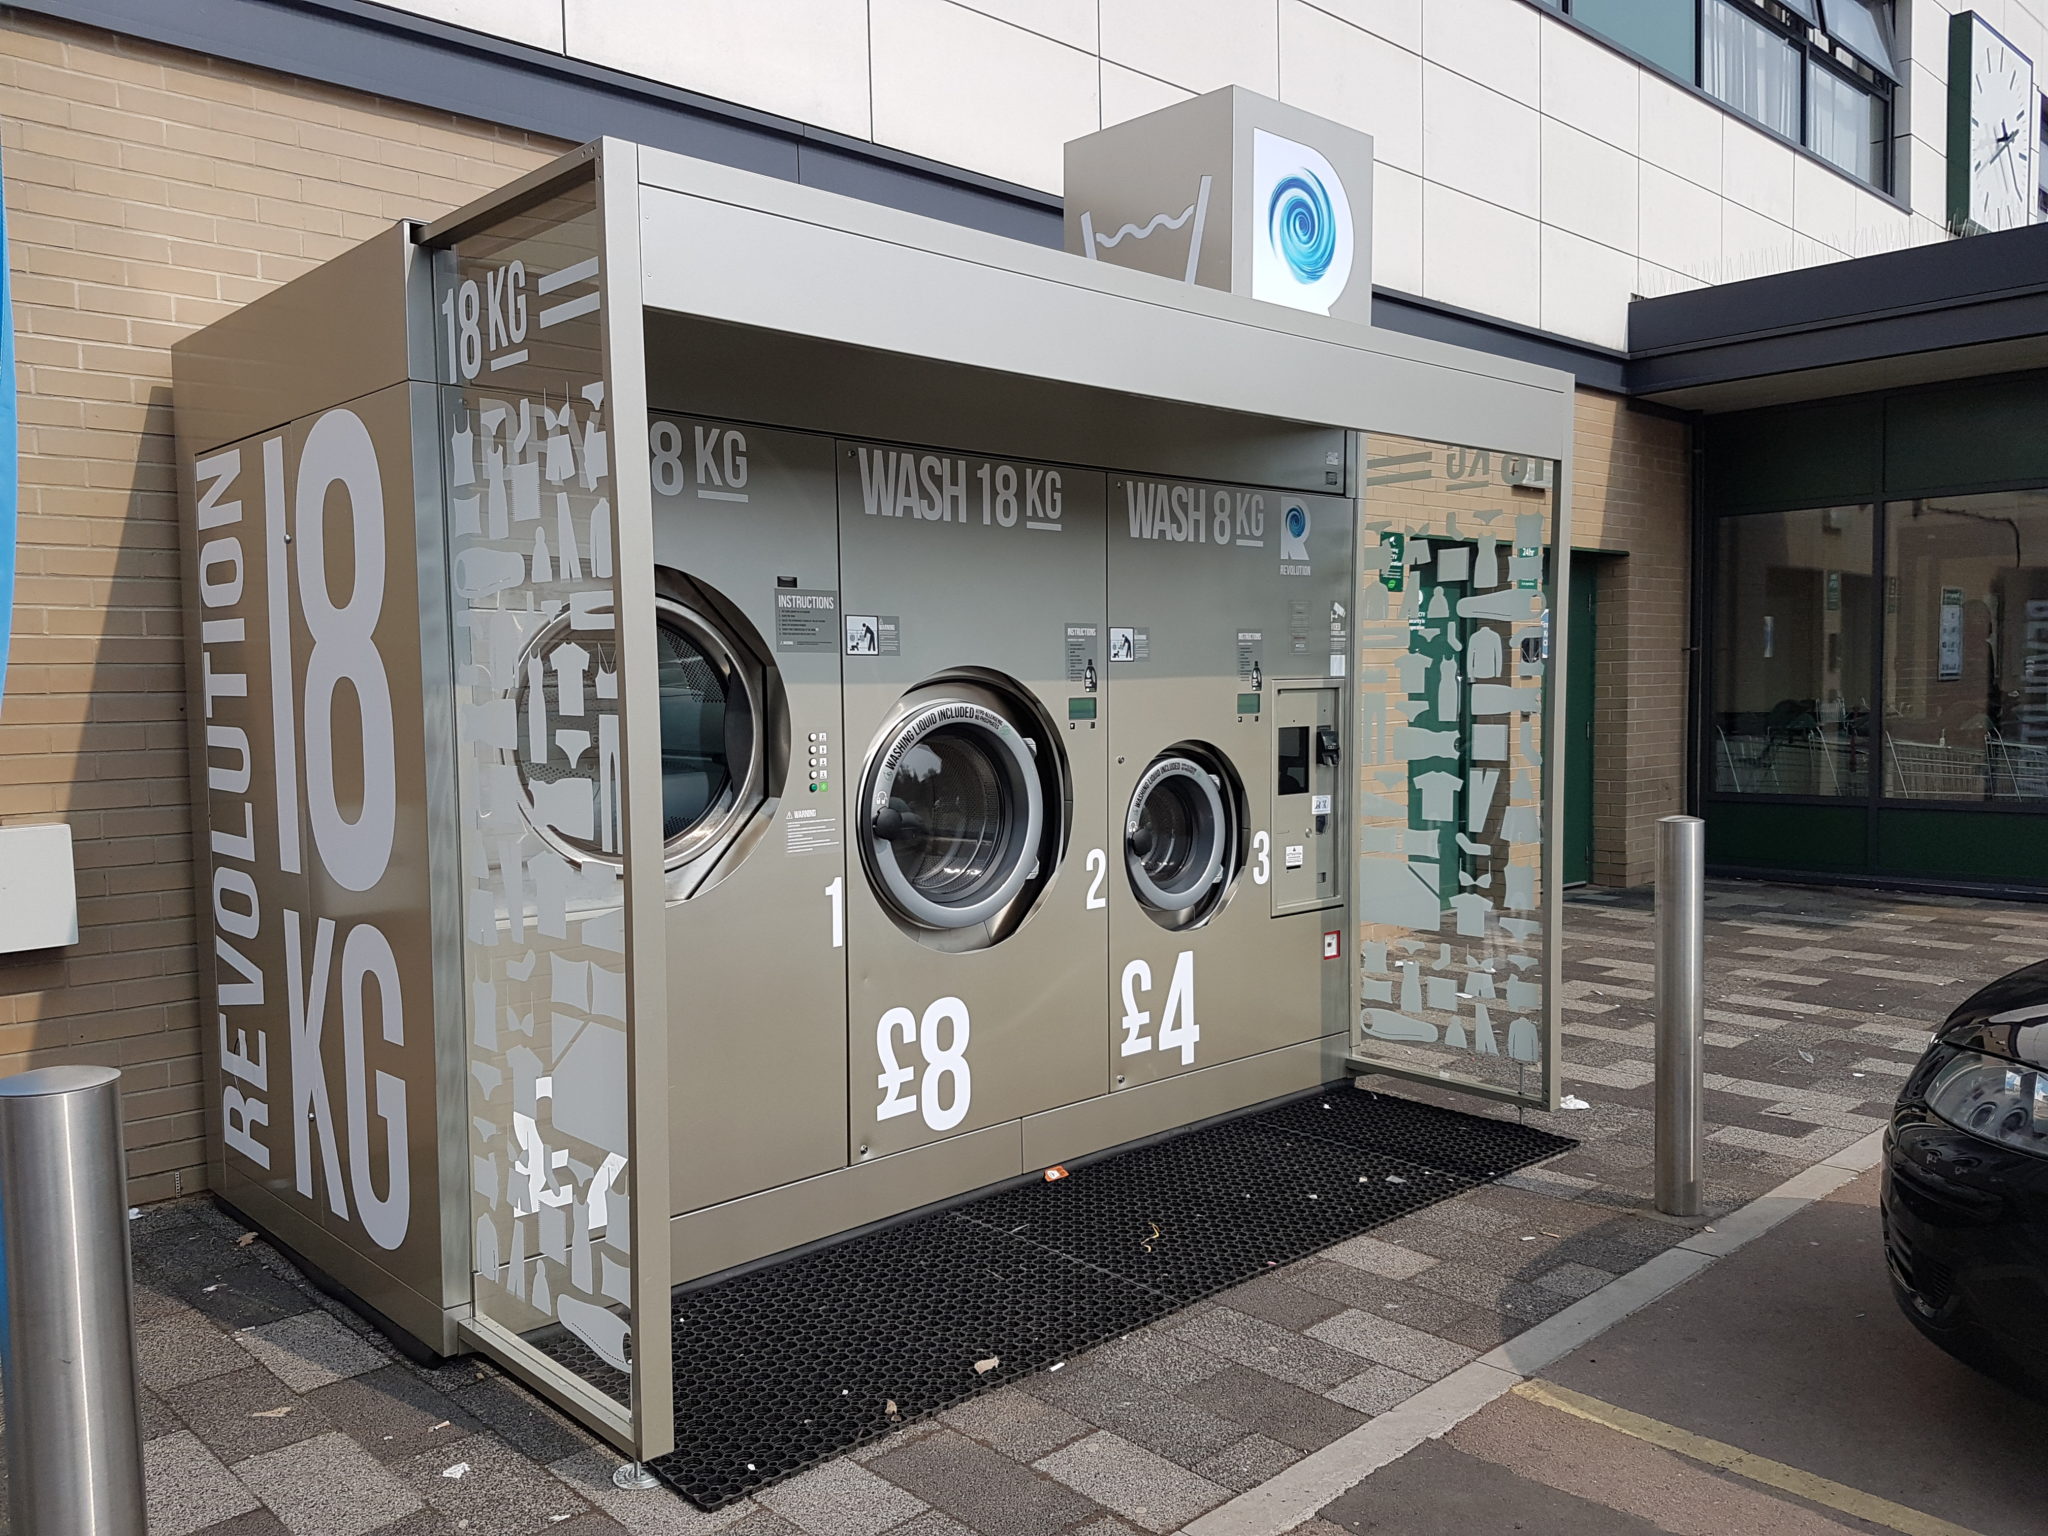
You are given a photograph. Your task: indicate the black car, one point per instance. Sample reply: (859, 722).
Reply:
(1966, 1184)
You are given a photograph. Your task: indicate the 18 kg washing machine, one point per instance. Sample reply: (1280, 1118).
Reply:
(748, 640)
(972, 614)
(1225, 685)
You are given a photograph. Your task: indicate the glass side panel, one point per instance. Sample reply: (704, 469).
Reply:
(527, 440)
(1792, 616)
(1454, 692)
(1966, 648)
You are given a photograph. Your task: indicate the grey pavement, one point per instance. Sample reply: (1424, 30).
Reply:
(1791, 1350)
(271, 1409)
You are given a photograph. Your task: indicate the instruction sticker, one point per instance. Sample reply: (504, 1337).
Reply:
(1251, 644)
(1129, 644)
(1081, 647)
(805, 620)
(1297, 626)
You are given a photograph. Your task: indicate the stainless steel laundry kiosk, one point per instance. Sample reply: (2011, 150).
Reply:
(723, 713)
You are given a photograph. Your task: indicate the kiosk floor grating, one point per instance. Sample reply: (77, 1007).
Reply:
(781, 1368)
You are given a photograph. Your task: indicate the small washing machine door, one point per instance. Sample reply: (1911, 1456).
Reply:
(1176, 834)
(955, 814)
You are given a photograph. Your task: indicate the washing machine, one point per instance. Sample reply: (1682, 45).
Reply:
(746, 544)
(1224, 696)
(975, 762)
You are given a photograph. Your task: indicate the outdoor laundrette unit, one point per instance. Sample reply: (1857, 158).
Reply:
(725, 714)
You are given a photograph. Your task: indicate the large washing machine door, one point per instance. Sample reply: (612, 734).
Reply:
(1176, 835)
(711, 733)
(954, 814)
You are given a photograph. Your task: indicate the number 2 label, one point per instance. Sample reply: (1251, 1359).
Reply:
(1098, 866)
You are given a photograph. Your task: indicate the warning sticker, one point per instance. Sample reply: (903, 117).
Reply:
(809, 831)
(805, 620)
(1129, 644)
(1081, 647)
(873, 634)
(1295, 853)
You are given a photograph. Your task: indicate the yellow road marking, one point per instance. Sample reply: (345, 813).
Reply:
(1729, 1458)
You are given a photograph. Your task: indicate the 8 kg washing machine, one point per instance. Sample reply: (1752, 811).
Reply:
(1227, 621)
(972, 612)
(748, 642)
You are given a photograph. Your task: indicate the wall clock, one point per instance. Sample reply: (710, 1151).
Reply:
(1990, 129)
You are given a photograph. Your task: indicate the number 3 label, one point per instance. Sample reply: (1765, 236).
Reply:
(946, 1073)
(1177, 1029)
(1262, 845)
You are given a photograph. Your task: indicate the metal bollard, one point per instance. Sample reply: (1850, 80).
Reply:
(1681, 1011)
(67, 1336)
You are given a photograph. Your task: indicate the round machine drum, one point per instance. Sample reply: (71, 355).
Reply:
(1176, 835)
(954, 814)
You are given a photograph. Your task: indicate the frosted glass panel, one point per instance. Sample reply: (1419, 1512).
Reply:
(1453, 688)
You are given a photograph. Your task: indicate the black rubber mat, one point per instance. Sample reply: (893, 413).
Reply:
(788, 1366)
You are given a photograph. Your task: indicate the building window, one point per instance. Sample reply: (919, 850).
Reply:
(1818, 72)
(1847, 126)
(1750, 67)
(1661, 31)
(1792, 646)
(1966, 648)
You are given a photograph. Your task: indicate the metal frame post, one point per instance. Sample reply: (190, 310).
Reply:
(67, 1335)
(1681, 1011)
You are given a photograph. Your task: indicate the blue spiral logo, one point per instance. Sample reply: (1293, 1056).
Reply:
(1302, 225)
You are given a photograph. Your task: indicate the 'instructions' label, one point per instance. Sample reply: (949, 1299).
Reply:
(805, 620)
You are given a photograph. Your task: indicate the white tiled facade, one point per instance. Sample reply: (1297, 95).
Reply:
(1526, 171)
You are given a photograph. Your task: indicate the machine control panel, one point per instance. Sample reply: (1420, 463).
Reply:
(820, 768)
(1307, 773)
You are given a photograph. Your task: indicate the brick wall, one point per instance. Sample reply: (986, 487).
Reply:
(1631, 487)
(149, 192)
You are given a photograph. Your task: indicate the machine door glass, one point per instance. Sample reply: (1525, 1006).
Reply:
(710, 732)
(954, 814)
(1305, 775)
(1175, 835)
